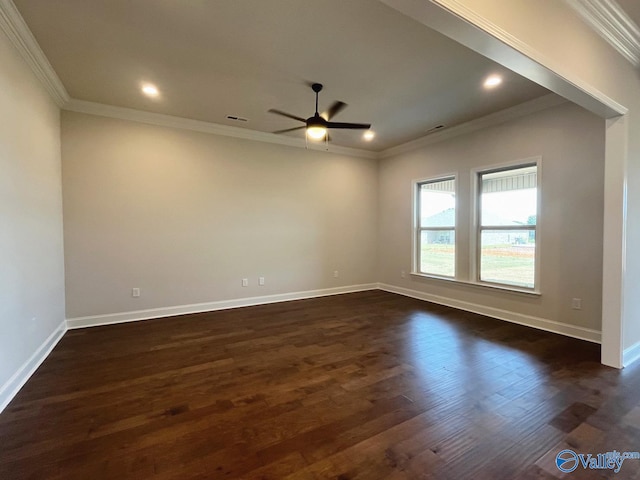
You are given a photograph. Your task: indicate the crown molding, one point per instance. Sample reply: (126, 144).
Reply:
(605, 16)
(158, 119)
(512, 113)
(596, 101)
(613, 24)
(461, 23)
(14, 26)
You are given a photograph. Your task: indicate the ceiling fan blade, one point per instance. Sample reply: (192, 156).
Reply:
(288, 115)
(289, 130)
(351, 126)
(334, 109)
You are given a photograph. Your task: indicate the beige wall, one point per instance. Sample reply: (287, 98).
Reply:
(569, 47)
(569, 58)
(31, 262)
(130, 217)
(570, 141)
(184, 216)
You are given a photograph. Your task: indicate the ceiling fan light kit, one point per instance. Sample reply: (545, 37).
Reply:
(317, 125)
(316, 132)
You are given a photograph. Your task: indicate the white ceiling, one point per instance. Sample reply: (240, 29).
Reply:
(213, 58)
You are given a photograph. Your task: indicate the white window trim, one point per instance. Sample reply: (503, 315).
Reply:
(484, 285)
(474, 231)
(415, 257)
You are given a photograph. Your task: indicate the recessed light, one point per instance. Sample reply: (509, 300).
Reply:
(492, 81)
(368, 135)
(150, 90)
(436, 128)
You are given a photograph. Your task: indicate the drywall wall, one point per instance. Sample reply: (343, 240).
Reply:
(570, 141)
(571, 59)
(579, 54)
(31, 253)
(185, 216)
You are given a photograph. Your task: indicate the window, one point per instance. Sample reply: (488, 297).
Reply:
(436, 227)
(507, 223)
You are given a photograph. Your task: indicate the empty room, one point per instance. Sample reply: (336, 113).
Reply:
(291, 239)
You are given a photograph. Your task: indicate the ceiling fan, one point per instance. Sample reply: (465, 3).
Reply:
(317, 125)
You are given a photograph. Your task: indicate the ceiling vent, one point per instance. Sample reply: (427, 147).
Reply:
(436, 128)
(235, 118)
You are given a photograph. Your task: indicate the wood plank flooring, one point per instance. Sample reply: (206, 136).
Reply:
(369, 385)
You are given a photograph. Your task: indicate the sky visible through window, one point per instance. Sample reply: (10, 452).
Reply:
(514, 205)
(507, 252)
(508, 256)
(435, 202)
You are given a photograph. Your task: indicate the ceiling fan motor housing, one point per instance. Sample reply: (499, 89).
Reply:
(316, 121)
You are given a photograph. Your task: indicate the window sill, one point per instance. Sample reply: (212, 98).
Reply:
(502, 288)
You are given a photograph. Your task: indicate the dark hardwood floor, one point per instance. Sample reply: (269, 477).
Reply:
(361, 386)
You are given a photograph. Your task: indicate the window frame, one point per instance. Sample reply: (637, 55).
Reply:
(477, 228)
(417, 229)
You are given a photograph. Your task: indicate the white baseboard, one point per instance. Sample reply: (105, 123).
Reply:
(631, 355)
(12, 386)
(9, 390)
(112, 318)
(513, 317)
(509, 316)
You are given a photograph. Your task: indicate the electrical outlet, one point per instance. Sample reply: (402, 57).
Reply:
(336, 274)
(576, 303)
(135, 292)
(245, 282)
(261, 281)
(403, 274)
